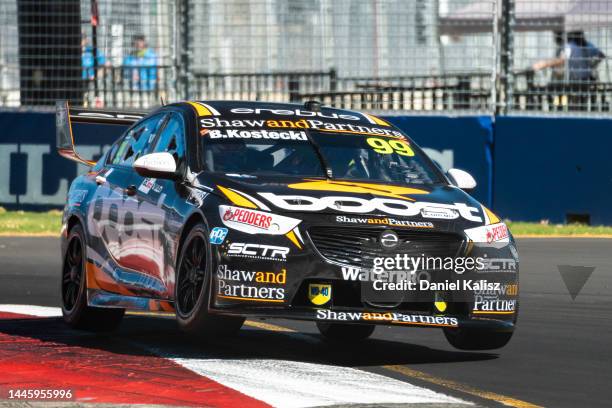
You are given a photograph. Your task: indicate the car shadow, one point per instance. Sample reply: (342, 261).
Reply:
(146, 336)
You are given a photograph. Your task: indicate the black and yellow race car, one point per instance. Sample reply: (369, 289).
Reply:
(220, 210)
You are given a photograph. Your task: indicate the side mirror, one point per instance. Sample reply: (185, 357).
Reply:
(156, 165)
(461, 179)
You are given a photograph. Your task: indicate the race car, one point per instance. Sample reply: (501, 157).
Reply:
(218, 211)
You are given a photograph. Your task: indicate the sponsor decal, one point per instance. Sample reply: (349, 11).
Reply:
(257, 134)
(494, 306)
(355, 274)
(238, 175)
(489, 233)
(257, 251)
(255, 221)
(293, 112)
(491, 301)
(312, 124)
(319, 293)
(149, 184)
(251, 285)
(497, 232)
(217, 235)
(441, 213)
(197, 197)
(363, 205)
(248, 217)
(109, 115)
(389, 239)
(499, 265)
(390, 317)
(384, 221)
(365, 275)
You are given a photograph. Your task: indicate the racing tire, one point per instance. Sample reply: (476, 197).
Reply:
(476, 339)
(77, 314)
(342, 332)
(193, 286)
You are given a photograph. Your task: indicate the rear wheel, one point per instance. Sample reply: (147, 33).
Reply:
(345, 332)
(476, 339)
(74, 290)
(192, 289)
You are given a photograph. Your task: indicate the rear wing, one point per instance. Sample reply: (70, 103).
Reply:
(65, 116)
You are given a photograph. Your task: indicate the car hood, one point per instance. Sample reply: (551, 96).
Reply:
(435, 203)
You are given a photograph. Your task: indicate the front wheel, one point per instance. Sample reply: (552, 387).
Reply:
(345, 332)
(192, 289)
(75, 310)
(476, 339)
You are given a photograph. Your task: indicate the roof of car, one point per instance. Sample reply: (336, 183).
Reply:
(279, 111)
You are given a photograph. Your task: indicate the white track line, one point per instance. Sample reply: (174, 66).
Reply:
(290, 384)
(40, 311)
(293, 384)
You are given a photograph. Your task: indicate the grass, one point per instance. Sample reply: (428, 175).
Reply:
(48, 223)
(543, 228)
(30, 223)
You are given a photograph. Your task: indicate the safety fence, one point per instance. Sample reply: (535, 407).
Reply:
(420, 56)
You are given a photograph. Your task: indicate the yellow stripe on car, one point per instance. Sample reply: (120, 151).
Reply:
(236, 198)
(493, 219)
(200, 109)
(355, 187)
(377, 120)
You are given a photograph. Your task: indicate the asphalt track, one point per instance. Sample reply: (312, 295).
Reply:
(559, 357)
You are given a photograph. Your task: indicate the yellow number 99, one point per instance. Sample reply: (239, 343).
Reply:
(401, 147)
(380, 145)
(383, 147)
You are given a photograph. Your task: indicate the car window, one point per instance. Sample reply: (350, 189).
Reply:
(135, 142)
(171, 138)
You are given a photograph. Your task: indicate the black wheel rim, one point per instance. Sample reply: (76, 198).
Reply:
(72, 273)
(191, 275)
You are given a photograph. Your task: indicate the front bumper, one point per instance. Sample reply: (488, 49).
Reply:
(269, 277)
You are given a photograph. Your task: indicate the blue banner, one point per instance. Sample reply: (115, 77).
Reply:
(527, 168)
(553, 169)
(32, 175)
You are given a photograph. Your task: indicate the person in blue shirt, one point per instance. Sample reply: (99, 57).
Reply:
(87, 60)
(579, 56)
(575, 66)
(144, 60)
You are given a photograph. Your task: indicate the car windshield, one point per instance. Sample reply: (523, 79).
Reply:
(347, 156)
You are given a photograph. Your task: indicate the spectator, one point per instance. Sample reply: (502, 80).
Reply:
(87, 60)
(144, 76)
(574, 66)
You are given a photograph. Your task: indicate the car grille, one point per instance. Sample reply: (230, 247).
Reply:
(358, 246)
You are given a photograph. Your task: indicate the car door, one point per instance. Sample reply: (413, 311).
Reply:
(115, 210)
(159, 218)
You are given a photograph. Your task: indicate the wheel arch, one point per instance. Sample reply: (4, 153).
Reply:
(193, 219)
(73, 220)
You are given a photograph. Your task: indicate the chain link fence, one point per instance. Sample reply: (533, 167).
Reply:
(451, 56)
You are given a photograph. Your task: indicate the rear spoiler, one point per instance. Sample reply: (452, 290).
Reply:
(65, 116)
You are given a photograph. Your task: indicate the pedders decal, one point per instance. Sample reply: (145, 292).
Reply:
(256, 222)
